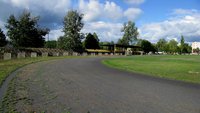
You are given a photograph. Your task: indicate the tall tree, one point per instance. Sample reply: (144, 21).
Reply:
(3, 41)
(72, 31)
(61, 42)
(187, 48)
(173, 48)
(182, 46)
(130, 33)
(91, 42)
(24, 31)
(146, 46)
(161, 45)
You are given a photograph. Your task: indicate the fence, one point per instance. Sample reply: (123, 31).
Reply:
(6, 54)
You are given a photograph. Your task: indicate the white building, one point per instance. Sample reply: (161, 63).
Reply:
(195, 45)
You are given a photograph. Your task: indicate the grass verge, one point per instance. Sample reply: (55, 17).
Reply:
(180, 67)
(8, 66)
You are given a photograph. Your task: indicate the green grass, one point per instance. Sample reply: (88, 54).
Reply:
(180, 67)
(8, 66)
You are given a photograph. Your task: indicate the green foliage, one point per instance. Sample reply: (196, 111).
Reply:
(121, 41)
(130, 33)
(178, 67)
(24, 32)
(184, 47)
(91, 41)
(146, 46)
(73, 24)
(105, 43)
(187, 48)
(173, 46)
(51, 44)
(162, 45)
(61, 42)
(3, 41)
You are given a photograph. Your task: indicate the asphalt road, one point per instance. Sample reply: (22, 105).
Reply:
(82, 85)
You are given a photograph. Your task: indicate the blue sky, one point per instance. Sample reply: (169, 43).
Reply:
(159, 10)
(155, 19)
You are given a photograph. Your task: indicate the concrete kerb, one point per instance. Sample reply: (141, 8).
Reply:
(55, 53)
(65, 53)
(7, 56)
(84, 54)
(33, 54)
(74, 54)
(44, 54)
(21, 55)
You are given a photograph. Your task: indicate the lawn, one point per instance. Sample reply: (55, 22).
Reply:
(179, 67)
(8, 66)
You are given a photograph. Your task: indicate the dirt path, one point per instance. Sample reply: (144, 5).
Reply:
(82, 85)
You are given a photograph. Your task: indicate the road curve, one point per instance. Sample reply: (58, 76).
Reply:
(84, 84)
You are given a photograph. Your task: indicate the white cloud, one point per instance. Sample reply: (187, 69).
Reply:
(55, 34)
(53, 5)
(1, 24)
(112, 10)
(18, 3)
(105, 30)
(185, 12)
(94, 10)
(137, 2)
(132, 13)
(91, 9)
(187, 25)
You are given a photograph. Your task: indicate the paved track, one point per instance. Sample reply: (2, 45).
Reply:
(82, 85)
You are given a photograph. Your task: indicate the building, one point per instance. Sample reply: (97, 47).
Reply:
(117, 49)
(195, 45)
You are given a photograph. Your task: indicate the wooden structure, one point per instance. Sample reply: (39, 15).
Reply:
(117, 48)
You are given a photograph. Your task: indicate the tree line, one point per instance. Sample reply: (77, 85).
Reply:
(169, 47)
(24, 31)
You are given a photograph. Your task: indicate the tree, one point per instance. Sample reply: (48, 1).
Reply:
(130, 33)
(173, 48)
(121, 42)
(91, 42)
(61, 42)
(146, 46)
(197, 50)
(182, 46)
(51, 44)
(187, 48)
(161, 45)
(24, 31)
(96, 37)
(73, 24)
(3, 41)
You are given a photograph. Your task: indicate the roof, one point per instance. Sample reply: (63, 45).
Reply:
(119, 45)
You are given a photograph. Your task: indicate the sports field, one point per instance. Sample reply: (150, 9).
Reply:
(179, 67)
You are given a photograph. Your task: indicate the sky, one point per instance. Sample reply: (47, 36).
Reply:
(155, 19)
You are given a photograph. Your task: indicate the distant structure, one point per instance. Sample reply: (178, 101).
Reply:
(195, 45)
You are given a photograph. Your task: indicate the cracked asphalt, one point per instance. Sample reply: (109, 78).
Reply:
(80, 85)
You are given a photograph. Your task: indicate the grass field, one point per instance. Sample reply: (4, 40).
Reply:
(180, 67)
(8, 66)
